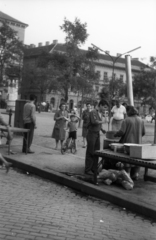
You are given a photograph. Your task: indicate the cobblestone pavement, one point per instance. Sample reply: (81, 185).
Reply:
(35, 209)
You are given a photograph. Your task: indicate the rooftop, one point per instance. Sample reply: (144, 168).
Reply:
(5, 17)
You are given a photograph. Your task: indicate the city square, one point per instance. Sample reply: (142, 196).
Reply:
(77, 120)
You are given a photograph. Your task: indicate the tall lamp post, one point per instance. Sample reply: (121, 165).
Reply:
(114, 59)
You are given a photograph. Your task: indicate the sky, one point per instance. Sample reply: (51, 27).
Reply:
(117, 26)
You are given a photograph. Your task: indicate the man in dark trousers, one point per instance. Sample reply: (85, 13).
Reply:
(93, 136)
(29, 120)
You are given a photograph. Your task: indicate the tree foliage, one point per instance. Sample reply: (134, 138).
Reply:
(144, 87)
(116, 88)
(11, 52)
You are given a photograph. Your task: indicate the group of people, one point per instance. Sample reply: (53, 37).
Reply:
(126, 123)
(129, 127)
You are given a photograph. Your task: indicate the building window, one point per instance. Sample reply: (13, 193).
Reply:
(105, 76)
(121, 77)
(99, 74)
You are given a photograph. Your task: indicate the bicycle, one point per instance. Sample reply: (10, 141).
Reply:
(69, 145)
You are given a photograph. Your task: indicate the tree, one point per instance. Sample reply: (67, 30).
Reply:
(144, 87)
(115, 88)
(37, 76)
(11, 52)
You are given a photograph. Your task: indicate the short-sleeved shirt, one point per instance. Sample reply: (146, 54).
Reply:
(72, 125)
(118, 113)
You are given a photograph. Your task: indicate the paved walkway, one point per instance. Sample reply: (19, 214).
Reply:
(69, 168)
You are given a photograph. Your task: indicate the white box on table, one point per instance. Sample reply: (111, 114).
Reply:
(143, 151)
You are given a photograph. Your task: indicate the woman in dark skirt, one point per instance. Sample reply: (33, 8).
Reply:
(59, 133)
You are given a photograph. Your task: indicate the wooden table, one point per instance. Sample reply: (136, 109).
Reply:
(124, 158)
(3, 130)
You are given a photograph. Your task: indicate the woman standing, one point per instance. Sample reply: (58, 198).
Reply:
(85, 118)
(132, 130)
(61, 116)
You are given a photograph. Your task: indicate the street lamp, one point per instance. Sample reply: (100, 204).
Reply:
(114, 59)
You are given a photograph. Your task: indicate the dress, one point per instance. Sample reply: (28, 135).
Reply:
(118, 117)
(93, 141)
(85, 118)
(59, 132)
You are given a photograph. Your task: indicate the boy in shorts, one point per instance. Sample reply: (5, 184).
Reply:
(72, 126)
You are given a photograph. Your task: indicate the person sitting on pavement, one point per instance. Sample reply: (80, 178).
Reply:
(119, 176)
(72, 126)
(9, 138)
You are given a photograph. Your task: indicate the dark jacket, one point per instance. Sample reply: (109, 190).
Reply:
(93, 125)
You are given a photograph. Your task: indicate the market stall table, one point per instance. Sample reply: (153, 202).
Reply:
(3, 130)
(124, 158)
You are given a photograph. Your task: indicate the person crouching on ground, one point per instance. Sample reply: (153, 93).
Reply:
(72, 126)
(119, 176)
(93, 136)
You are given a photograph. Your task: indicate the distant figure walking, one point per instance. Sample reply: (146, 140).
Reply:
(29, 119)
(60, 118)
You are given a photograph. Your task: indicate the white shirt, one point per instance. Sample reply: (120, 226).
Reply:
(118, 113)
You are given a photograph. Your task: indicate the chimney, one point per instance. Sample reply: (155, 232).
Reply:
(47, 43)
(107, 52)
(118, 54)
(32, 46)
(55, 42)
(39, 44)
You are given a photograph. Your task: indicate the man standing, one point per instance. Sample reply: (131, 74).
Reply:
(93, 136)
(85, 118)
(118, 113)
(29, 120)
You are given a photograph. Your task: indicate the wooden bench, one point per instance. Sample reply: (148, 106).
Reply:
(3, 133)
(124, 158)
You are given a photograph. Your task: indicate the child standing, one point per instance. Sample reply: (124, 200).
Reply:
(72, 126)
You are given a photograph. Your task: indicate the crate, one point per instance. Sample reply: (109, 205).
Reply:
(143, 151)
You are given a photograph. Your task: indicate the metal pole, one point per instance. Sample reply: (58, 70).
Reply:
(129, 80)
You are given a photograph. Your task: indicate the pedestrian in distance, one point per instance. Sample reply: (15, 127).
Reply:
(9, 138)
(85, 118)
(93, 136)
(118, 114)
(60, 118)
(29, 120)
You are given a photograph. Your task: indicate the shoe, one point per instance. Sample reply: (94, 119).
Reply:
(7, 166)
(30, 151)
(89, 173)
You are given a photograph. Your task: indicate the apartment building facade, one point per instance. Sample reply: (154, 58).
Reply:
(104, 65)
